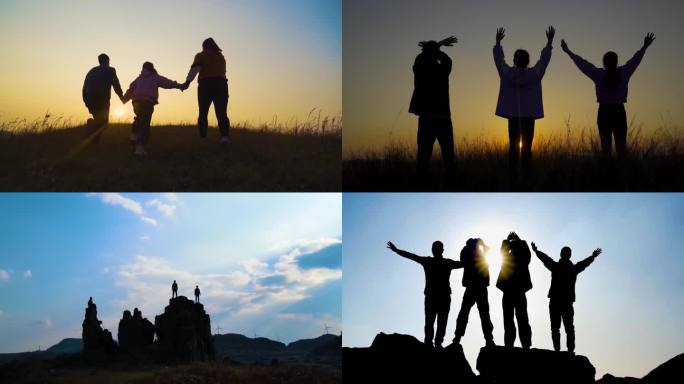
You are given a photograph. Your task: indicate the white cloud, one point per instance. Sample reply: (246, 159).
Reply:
(28, 274)
(144, 238)
(167, 210)
(44, 323)
(4, 275)
(122, 201)
(148, 220)
(170, 196)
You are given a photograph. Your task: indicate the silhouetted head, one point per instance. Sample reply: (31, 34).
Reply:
(430, 46)
(437, 249)
(174, 281)
(210, 45)
(610, 60)
(103, 59)
(196, 286)
(150, 67)
(512, 236)
(521, 58)
(566, 253)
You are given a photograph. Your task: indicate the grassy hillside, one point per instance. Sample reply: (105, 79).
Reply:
(51, 155)
(570, 163)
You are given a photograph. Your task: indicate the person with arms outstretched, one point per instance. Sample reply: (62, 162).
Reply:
(475, 280)
(520, 97)
(437, 290)
(430, 102)
(96, 94)
(174, 289)
(562, 292)
(514, 280)
(611, 84)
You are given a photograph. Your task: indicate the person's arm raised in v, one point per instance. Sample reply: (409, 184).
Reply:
(545, 57)
(499, 59)
(632, 64)
(584, 66)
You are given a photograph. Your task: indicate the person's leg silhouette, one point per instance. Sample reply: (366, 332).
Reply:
(509, 323)
(463, 313)
(526, 139)
(204, 99)
(513, 144)
(555, 314)
(523, 321)
(483, 308)
(568, 315)
(605, 126)
(426, 140)
(430, 315)
(445, 137)
(221, 107)
(442, 318)
(620, 131)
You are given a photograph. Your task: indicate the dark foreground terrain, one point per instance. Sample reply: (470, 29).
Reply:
(45, 157)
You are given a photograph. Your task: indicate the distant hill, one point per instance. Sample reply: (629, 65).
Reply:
(325, 349)
(66, 346)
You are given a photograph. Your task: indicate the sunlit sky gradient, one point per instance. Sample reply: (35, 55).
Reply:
(629, 308)
(266, 263)
(284, 57)
(380, 44)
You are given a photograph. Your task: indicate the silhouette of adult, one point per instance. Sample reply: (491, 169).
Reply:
(520, 97)
(514, 280)
(611, 84)
(97, 93)
(430, 102)
(475, 280)
(174, 289)
(210, 65)
(562, 292)
(437, 290)
(90, 302)
(197, 294)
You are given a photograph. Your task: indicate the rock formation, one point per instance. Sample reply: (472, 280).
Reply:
(95, 339)
(184, 331)
(517, 365)
(135, 331)
(402, 358)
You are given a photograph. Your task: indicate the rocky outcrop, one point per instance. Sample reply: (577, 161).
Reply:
(402, 358)
(517, 365)
(667, 372)
(184, 331)
(95, 339)
(135, 331)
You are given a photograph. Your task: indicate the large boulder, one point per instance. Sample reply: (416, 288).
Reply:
(95, 338)
(402, 358)
(135, 331)
(184, 331)
(516, 365)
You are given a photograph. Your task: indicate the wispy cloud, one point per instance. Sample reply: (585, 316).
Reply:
(170, 196)
(129, 204)
(4, 275)
(167, 210)
(28, 274)
(43, 323)
(149, 220)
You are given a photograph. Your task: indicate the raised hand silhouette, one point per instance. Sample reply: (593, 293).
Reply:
(449, 41)
(550, 33)
(649, 39)
(597, 252)
(391, 246)
(564, 46)
(500, 34)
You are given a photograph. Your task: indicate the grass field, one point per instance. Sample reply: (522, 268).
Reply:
(569, 163)
(53, 155)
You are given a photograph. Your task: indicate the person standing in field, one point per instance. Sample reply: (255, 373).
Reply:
(210, 65)
(611, 84)
(96, 95)
(520, 97)
(144, 91)
(430, 102)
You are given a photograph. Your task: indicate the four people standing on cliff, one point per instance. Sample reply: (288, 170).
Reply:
(513, 280)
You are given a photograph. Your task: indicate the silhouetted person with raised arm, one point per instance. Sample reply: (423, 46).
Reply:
(430, 102)
(197, 294)
(97, 93)
(475, 281)
(562, 292)
(520, 97)
(210, 65)
(611, 84)
(437, 290)
(514, 280)
(174, 289)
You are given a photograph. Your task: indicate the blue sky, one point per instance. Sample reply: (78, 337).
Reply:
(266, 263)
(629, 308)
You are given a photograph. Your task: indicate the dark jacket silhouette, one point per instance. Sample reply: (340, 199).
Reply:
(430, 101)
(437, 290)
(514, 280)
(197, 294)
(174, 289)
(562, 292)
(476, 281)
(96, 95)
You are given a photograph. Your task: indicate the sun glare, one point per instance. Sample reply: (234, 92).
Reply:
(119, 112)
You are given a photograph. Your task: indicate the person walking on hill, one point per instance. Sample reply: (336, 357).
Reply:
(96, 95)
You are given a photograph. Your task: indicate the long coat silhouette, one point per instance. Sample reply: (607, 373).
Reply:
(514, 280)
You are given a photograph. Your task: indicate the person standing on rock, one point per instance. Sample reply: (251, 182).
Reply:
(562, 292)
(174, 289)
(197, 294)
(437, 290)
(475, 281)
(90, 302)
(514, 280)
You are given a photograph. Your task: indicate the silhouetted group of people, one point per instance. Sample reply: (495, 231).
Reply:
(174, 291)
(210, 68)
(520, 98)
(513, 280)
